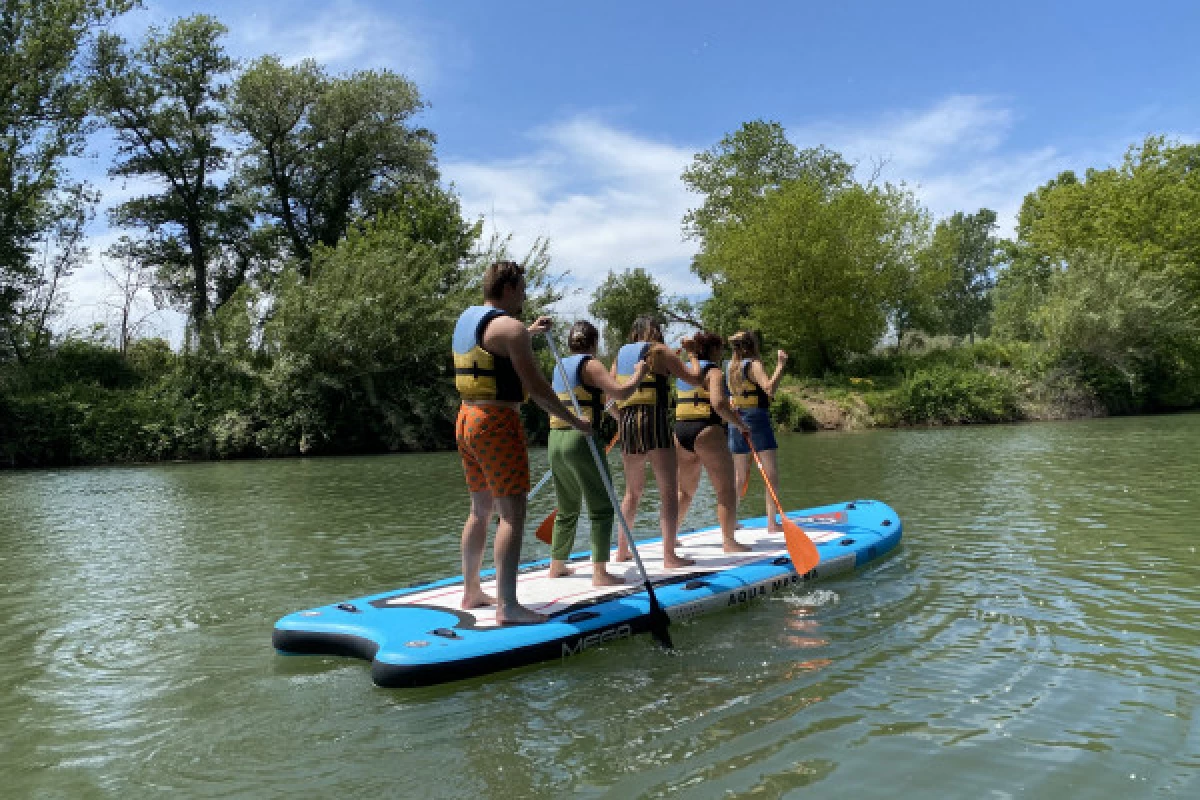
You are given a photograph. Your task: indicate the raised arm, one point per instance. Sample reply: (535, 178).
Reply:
(671, 364)
(759, 375)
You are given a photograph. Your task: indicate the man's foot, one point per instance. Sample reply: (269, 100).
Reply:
(518, 615)
(671, 561)
(734, 546)
(559, 569)
(477, 599)
(602, 577)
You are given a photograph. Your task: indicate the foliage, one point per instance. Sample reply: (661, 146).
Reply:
(165, 102)
(945, 395)
(817, 270)
(43, 121)
(623, 297)
(966, 246)
(1114, 319)
(327, 149)
(790, 414)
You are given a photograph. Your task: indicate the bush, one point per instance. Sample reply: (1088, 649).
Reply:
(789, 414)
(946, 395)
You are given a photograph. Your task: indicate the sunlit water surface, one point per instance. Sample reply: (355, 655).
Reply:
(1035, 635)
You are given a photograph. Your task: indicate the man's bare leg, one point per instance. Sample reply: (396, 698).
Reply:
(507, 555)
(474, 538)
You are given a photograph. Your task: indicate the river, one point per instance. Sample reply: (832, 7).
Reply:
(1035, 635)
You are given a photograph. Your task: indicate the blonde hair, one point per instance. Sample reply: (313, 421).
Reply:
(745, 345)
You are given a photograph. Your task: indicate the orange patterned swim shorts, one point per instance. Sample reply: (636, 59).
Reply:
(491, 442)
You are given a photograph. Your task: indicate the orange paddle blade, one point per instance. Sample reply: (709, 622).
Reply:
(800, 548)
(545, 531)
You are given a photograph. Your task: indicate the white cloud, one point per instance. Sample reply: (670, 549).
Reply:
(955, 155)
(607, 199)
(346, 35)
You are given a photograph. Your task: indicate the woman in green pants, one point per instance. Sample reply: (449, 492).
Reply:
(576, 478)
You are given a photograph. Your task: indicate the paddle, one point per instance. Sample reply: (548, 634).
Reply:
(545, 531)
(803, 552)
(658, 617)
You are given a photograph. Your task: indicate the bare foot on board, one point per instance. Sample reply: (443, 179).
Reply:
(518, 615)
(477, 599)
(602, 577)
(671, 561)
(623, 555)
(734, 546)
(559, 569)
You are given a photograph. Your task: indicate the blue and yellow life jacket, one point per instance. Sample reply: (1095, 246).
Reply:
(693, 402)
(478, 374)
(752, 395)
(652, 391)
(591, 399)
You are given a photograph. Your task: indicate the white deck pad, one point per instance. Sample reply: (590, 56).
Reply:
(538, 591)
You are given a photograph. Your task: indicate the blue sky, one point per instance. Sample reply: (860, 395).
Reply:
(573, 120)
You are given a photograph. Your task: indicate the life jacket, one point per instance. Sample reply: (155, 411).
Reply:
(752, 395)
(591, 399)
(478, 374)
(652, 391)
(693, 402)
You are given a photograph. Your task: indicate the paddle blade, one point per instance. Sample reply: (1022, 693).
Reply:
(545, 531)
(659, 622)
(800, 548)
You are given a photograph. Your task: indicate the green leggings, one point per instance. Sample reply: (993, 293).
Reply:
(575, 481)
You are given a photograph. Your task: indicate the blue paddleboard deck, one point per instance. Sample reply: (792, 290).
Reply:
(421, 635)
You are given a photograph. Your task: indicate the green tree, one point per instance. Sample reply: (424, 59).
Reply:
(623, 297)
(327, 149)
(1141, 325)
(43, 121)
(817, 269)
(965, 247)
(165, 101)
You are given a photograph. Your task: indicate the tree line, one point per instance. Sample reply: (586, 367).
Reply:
(298, 220)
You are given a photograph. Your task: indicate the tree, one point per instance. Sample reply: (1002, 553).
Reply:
(817, 269)
(327, 149)
(623, 297)
(164, 100)
(745, 165)
(964, 248)
(42, 123)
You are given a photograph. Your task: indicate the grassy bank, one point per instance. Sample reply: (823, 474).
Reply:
(947, 384)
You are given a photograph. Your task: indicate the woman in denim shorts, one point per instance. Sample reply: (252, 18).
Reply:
(752, 392)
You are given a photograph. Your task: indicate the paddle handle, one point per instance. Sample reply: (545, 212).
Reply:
(608, 486)
(763, 470)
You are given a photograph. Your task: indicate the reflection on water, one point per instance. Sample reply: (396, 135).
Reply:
(1034, 635)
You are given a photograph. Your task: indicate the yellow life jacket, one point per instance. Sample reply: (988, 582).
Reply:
(652, 391)
(591, 399)
(478, 374)
(693, 402)
(752, 395)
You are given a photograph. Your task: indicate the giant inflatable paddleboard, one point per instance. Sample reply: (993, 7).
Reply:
(420, 635)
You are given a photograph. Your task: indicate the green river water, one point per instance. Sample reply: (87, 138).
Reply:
(1035, 635)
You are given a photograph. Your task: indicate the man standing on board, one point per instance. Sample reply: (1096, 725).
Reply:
(494, 372)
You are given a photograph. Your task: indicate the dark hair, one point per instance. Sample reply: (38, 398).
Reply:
(582, 337)
(500, 274)
(703, 344)
(646, 328)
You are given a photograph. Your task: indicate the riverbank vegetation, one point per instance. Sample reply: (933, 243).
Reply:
(299, 221)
